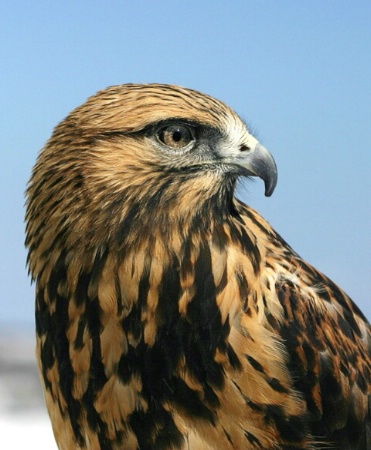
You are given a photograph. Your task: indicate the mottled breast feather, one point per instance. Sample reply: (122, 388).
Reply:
(170, 315)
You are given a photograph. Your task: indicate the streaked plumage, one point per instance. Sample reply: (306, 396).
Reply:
(169, 314)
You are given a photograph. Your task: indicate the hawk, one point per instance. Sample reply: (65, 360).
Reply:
(169, 314)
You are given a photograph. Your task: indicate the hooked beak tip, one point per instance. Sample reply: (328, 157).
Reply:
(261, 164)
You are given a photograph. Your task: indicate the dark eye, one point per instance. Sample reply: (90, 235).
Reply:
(176, 136)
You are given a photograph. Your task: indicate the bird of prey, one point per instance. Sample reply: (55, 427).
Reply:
(169, 314)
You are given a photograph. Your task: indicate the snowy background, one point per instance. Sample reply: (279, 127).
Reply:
(24, 423)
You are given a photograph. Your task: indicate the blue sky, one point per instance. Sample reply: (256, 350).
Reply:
(299, 72)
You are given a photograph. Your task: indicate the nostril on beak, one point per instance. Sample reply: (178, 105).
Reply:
(244, 148)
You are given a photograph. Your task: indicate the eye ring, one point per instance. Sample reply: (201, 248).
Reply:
(176, 136)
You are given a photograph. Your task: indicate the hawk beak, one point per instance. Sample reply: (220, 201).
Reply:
(259, 162)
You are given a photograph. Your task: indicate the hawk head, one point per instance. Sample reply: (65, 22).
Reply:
(134, 148)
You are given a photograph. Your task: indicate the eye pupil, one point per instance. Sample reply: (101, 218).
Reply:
(176, 136)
